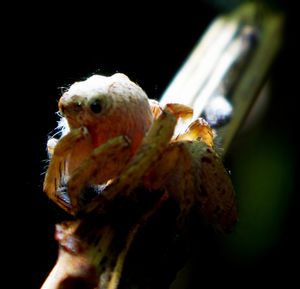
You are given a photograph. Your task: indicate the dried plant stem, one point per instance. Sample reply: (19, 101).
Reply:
(228, 67)
(92, 254)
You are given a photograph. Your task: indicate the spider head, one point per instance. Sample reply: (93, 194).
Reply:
(107, 107)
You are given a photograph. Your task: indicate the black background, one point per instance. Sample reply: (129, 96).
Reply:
(48, 47)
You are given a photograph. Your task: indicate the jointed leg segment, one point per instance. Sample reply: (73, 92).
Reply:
(106, 162)
(57, 170)
(152, 146)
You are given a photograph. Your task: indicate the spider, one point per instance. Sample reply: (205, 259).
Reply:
(114, 139)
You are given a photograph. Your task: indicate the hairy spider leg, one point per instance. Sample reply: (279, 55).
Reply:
(105, 162)
(198, 130)
(56, 173)
(153, 144)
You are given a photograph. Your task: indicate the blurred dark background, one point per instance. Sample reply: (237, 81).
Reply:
(48, 47)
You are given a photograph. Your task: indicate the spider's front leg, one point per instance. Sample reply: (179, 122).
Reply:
(103, 163)
(57, 173)
(151, 148)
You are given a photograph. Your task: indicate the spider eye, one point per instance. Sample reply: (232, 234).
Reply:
(96, 107)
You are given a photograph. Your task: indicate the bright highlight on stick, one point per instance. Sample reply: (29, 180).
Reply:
(227, 69)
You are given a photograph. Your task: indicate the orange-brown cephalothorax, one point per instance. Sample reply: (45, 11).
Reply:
(107, 107)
